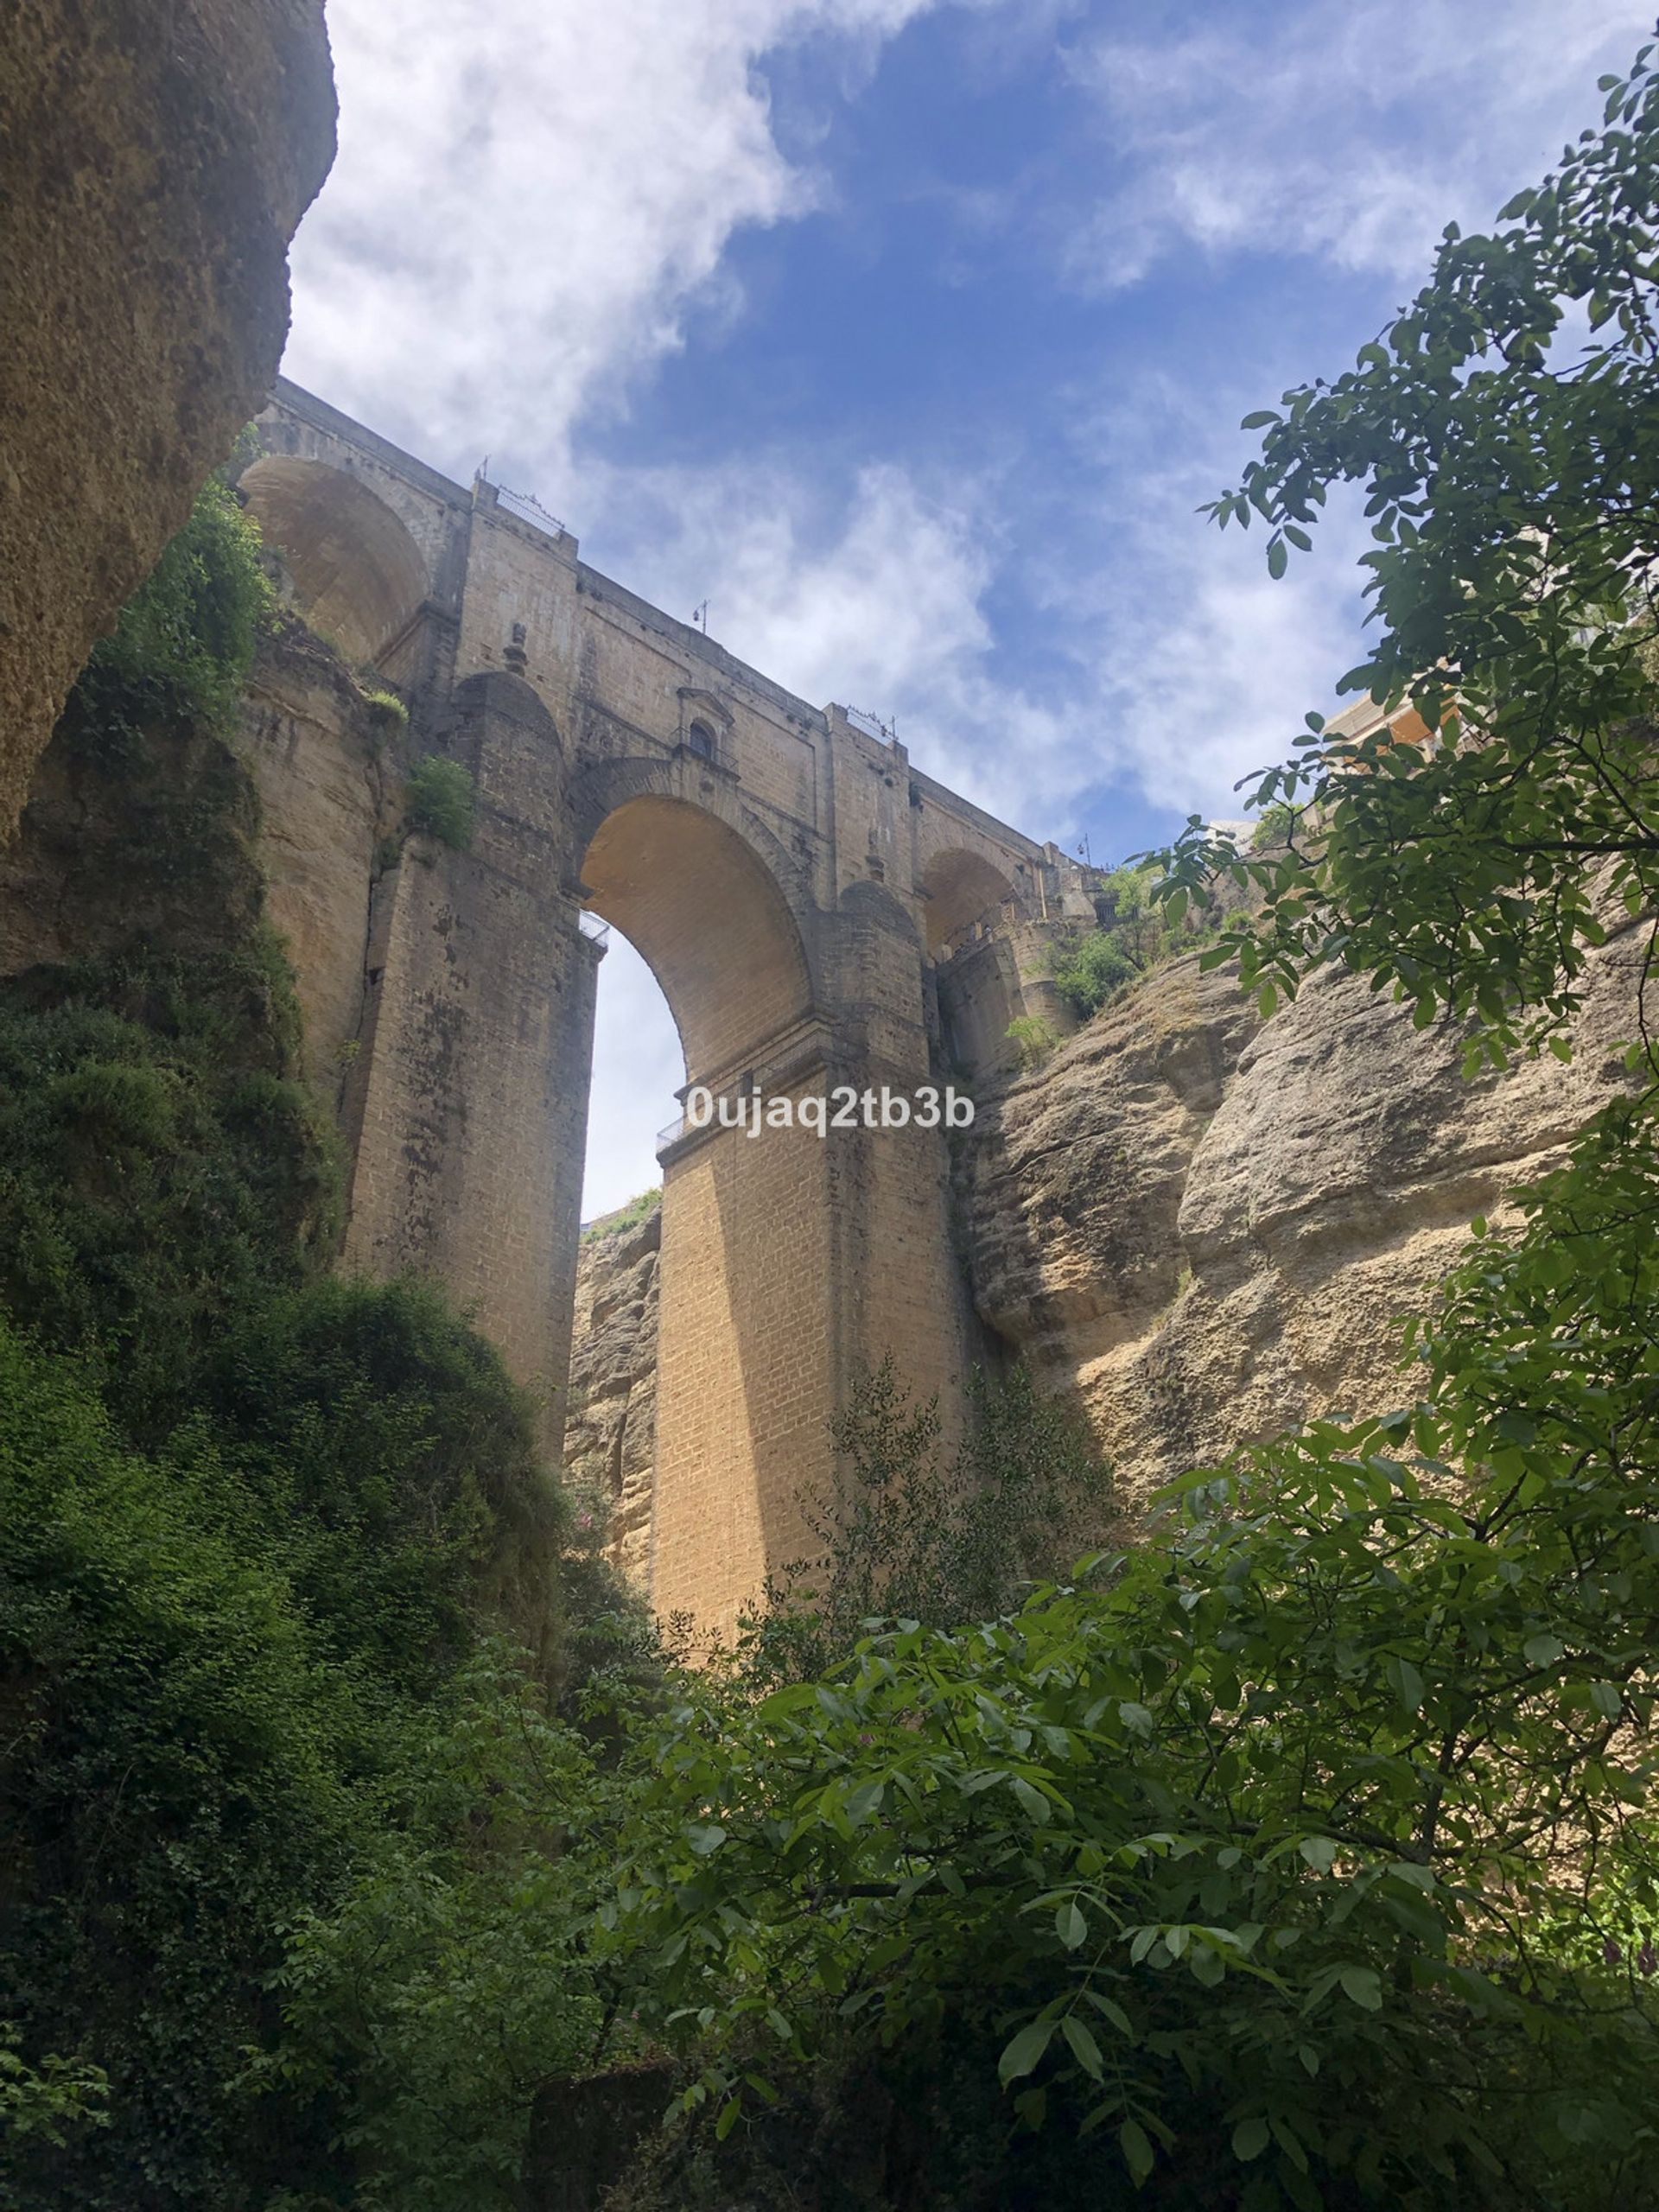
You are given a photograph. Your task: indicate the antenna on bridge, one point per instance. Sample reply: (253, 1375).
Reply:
(700, 616)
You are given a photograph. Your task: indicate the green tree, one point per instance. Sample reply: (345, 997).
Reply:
(1312, 1856)
(1505, 429)
(912, 1526)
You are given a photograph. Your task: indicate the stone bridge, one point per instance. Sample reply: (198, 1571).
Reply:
(818, 912)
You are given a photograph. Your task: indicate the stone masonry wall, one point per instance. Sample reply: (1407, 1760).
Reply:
(774, 864)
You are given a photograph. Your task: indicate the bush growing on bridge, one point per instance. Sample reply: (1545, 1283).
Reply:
(442, 801)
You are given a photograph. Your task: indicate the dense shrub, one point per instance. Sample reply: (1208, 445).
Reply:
(185, 640)
(179, 1772)
(1088, 971)
(386, 1437)
(939, 1533)
(1307, 1853)
(442, 801)
(1092, 967)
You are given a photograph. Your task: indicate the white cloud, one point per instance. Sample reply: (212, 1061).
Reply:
(1351, 134)
(873, 593)
(529, 196)
(1184, 665)
(1173, 665)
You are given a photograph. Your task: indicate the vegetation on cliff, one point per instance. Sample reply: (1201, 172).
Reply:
(256, 1526)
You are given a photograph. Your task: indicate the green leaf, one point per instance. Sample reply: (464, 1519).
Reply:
(1407, 1684)
(1363, 1985)
(1137, 2151)
(1084, 2049)
(1250, 2138)
(1036, 1806)
(1113, 2011)
(1278, 558)
(1024, 2053)
(1069, 1924)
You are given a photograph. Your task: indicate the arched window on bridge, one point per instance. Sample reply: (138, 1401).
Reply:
(701, 739)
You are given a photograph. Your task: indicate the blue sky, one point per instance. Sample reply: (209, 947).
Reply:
(909, 334)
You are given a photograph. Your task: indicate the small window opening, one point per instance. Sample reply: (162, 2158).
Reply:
(700, 738)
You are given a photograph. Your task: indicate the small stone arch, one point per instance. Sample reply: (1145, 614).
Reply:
(359, 574)
(960, 888)
(503, 696)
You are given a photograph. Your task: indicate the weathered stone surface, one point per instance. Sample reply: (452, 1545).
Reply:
(610, 1432)
(330, 770)
(154, 163)
(96, 864)
(1198, 1228)
(1202, 1228)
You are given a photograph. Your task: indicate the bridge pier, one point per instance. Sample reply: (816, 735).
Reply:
(796, 888)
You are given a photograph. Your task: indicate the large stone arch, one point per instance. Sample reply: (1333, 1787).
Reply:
(358, 574)
(710, 924)
(603, 786)
(703, 904)
(748, 1334)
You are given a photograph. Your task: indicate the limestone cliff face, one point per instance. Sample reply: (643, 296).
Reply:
(1197, 1227)
(330, 766)
(154, 163)
(1202, 1228)
(610, 1432)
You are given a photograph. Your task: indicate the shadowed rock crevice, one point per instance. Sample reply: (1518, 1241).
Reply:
(610, 1435)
